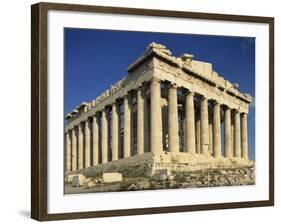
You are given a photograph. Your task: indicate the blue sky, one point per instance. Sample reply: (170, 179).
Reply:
(95, 59)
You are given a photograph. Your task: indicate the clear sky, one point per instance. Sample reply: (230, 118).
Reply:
(95, 59)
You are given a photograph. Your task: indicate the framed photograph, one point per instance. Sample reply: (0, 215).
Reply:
(139, 111)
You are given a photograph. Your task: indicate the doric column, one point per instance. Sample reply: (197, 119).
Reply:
(95, 132)
(237, 135)
(204, 126)
(114, 132)
(80, 146)
(232, 134)
(127, 127)
(156, 144)
(67, 151)
(173, 130)
(87, 144)
(211, 137)
(104, 135)
(227, 134)
(198, 134)
(217, 130)
(146, 124)
(140, 122)
(244, 138)
(74, 149)
(190, 123)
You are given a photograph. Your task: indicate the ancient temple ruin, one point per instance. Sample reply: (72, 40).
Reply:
(167, 112)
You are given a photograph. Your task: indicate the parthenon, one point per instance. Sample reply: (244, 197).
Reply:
(168, 108)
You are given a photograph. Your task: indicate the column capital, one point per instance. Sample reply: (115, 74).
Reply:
(73, 129)
(140, 86)
(126, 95)
(226, 107)
(140, 90)
(114, 103)
(216, 102)
(155, 80)
(79, 125)
(84, 120)
(87, 122)
(105, 108)
(236, 111)
(190, 92)
(173, 85)
(203, 97)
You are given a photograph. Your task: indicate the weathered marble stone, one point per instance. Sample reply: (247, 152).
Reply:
(171, 177)
(91, 184)
(68, 178)
(112, 177)
(78, 180)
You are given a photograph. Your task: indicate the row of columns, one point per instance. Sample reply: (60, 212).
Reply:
(197, 131)
(75, 141)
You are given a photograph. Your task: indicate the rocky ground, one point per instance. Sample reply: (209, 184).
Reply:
(175, 180)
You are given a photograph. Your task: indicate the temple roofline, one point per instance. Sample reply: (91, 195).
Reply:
(185, 63)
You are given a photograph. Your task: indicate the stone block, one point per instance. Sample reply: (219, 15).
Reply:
(112, 177)
(162, 177)
(143, 185)
(171, 177)
(91, 184)
(68, 178)
(86, 181)
(161, 174)
(78, 180)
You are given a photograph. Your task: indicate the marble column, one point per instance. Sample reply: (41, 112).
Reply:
(198, 134)
(211, 137)
(146, 124)
(74, 149)
(87, 144)
(127, 127)
(156, 143)
(80, 146)
(190, 123)
(114, 132)
(232, 134)
(237, 135)
(140, 121)
(244, 138)
(204, 126)
(217, 130)
(227, 134)
(95, 132)
(173, 123)
(67, 151)
(104, 136)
